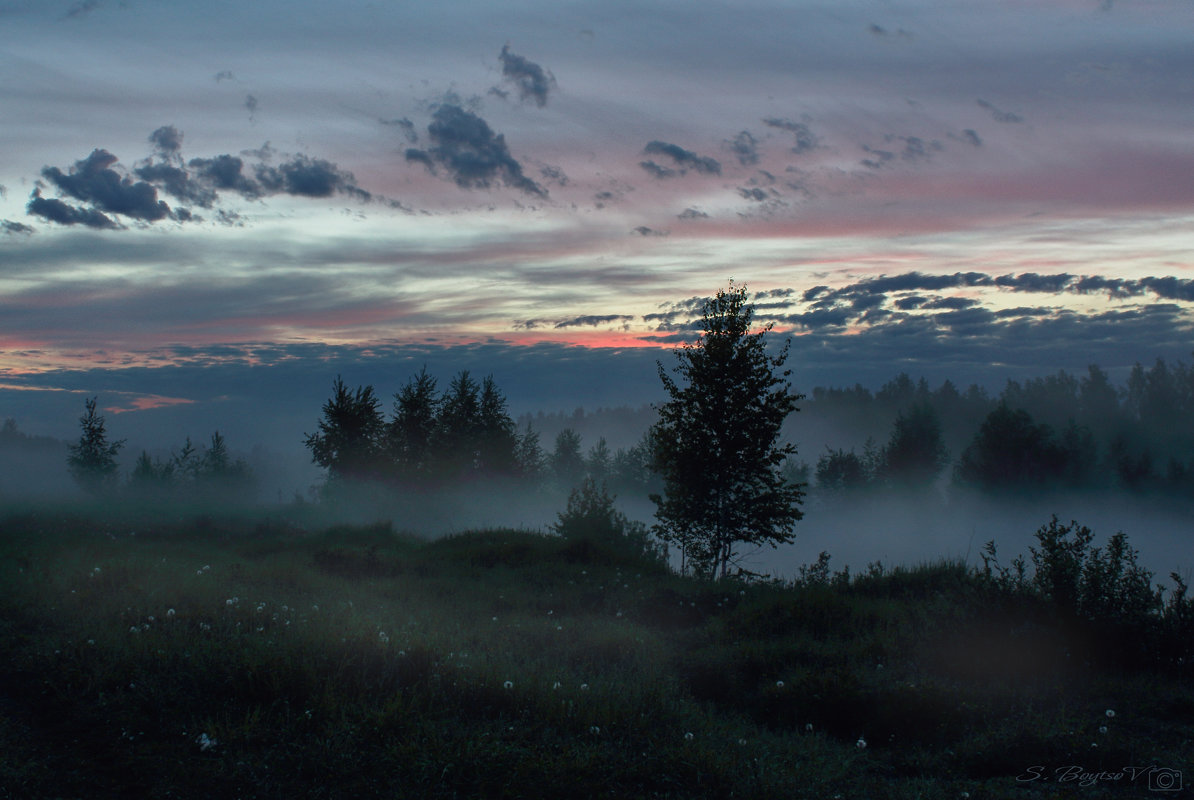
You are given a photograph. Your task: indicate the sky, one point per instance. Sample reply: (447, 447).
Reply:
(209, 210)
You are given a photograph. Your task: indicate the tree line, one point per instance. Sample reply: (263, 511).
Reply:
(1059, 431)
(462, 434)
(189, 472)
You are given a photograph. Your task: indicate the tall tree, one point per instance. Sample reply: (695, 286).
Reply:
(459, 430)
(92, 461)
(498, 441)
(716, 443)
(566, 462)
(411, 431)
(348, 441)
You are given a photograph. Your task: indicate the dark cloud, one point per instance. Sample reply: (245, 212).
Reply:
(805, 139)
(692, 213)
(14, 228)
(177, 182)
(406, 126)
(554, 174)
(224, 75)
(55, 210)
(531, 79)
(657, 171)
(951, 303)
(685, 159)
(753, 193)
(998, 115)
(308, 177)
(879, 157)
(912, 149)
(745, 148)
(225, 173)
(166, 141)
(251, 104)
(643, 230)
(105, 191)
(593, 320)
(93, 181)
(473, 155)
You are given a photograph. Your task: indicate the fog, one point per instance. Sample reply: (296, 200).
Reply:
(879, 527)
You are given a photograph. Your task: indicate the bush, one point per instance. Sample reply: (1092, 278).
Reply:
(591, 517)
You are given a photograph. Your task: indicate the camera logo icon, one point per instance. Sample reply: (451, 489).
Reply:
(1165, 780)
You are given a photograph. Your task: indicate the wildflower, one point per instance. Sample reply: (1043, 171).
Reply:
(383, 637)
(555, 685)
(861, 743)
(1110, 713)
(508, 684)
(134, 629)
(151, 619)
(205, 742)
(91, 641)
(1103, 729)
(594, 730)
(688, 737)
(779, 684)
(169, 612)
(809, 727)
(401, 652)
(742, 743)
(559, 627)
(584, 687)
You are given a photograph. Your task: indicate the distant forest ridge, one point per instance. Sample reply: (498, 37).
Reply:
(1059, 430)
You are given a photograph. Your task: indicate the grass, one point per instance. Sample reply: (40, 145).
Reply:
(223, 658)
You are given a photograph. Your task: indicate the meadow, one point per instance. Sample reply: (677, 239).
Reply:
(270, 657)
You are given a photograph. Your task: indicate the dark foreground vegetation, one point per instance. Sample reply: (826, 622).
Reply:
(259, 659)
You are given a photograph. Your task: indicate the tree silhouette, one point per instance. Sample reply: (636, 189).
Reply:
(915, 454)
(92, 462)
(716, 441)
(348, 442)
(411, 432)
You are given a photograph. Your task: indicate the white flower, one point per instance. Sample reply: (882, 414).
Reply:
(508, 684)
(861, 743)
(1110, 713)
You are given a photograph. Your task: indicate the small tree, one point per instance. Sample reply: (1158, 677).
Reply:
(349, 438)
(716, 442)
(92, 461)
(592, 518)
(411, 431)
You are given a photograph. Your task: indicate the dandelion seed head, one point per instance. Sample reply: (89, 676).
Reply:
(584, 687)
(1102, 729)
(169, 612)
(688, 737)
(508, 684)
(594, 730)
(861, 743)
(779, 684)
(1110, 713)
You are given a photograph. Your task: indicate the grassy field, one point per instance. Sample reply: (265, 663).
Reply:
(258, 659)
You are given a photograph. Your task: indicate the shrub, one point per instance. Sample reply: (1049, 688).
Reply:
(591, 517)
